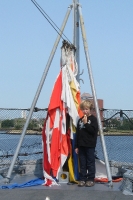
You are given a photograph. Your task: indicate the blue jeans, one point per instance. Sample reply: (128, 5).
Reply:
(87, 163)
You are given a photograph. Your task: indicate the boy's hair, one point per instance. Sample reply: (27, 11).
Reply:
(86, 104)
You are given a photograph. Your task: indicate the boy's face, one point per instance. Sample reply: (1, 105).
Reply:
(86, 111)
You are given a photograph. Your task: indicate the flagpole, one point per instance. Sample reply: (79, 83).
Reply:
(7, 179)
(76, 35)
(94, 95)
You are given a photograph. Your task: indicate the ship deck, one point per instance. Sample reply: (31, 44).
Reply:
(63, 191)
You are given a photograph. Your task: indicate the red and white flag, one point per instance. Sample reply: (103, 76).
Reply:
(64, 100)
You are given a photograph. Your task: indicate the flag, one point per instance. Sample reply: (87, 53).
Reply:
(58, 137)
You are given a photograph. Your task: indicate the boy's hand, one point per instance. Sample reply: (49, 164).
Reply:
(84, 120)
(76, 150)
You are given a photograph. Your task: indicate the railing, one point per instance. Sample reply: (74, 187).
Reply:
(11, 125)
(117, 127)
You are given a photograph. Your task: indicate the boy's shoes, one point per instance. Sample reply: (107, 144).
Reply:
(89, 183)
(81, 183)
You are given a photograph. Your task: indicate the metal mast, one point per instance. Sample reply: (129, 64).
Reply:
(76, 34)
(94, 94)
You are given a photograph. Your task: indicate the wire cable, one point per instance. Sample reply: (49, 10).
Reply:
(110, 117)
(116, 114)
(49, 20)
(128, 118)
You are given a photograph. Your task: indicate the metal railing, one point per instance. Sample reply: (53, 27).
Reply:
(117, 127)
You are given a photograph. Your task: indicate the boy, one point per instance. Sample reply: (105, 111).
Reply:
(86, 138)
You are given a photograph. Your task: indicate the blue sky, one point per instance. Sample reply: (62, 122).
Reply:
(26, 41)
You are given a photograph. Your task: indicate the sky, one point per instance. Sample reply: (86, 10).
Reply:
(27, 39)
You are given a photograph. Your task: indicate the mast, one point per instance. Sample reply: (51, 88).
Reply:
(76, 34)
(84, 38)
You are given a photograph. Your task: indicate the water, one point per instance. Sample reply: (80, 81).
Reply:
(31, 145)
(119, 148)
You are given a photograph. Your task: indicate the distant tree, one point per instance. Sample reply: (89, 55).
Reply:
(7, 123)
(18, 127)
(131, 124)
(127, 124)
(112, 123)
(32, 125)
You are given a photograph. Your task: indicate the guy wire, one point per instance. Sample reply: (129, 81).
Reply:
(49, 20)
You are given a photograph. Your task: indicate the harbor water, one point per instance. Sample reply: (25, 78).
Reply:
(119, 148)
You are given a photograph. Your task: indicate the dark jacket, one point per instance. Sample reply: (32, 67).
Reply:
(86, 134)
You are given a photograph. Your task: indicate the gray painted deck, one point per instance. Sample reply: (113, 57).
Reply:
(64, 191)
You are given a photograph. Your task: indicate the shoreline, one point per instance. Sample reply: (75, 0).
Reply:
(18, 132)
(36, 132)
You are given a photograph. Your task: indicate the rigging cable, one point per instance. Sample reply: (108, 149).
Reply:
(49, 20)
(121, 112)
(128, 118)
(110, 117)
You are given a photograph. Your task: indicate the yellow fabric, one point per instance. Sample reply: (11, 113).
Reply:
(73, 128)
(71, 172)
(74, 93)
(70, 160)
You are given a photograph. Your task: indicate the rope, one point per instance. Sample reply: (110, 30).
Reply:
(105, 180)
